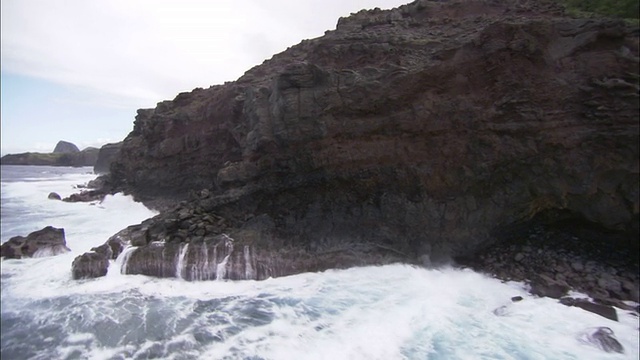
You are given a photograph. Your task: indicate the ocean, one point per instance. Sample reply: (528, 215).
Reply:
(385, 312)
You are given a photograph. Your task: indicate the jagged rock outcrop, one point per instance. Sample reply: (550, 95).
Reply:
(49, 241)
(65, 147)
(106, 155)
(423, 129)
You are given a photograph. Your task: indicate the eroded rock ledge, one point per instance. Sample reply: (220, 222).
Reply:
(412, 133)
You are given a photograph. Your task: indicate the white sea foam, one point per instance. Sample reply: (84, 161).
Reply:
(180, 263)
(388, 312)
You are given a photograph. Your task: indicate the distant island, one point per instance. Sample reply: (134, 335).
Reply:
(67, 154)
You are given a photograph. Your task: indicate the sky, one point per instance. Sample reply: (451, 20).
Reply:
(78, 70)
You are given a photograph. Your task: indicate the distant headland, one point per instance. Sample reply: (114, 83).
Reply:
(67, 154)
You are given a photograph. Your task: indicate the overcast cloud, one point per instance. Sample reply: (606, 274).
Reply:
(122, 55)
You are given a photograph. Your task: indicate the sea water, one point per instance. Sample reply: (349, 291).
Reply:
(387, 312)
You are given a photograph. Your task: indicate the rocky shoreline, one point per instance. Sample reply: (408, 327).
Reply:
(423, 134)
(554, 259)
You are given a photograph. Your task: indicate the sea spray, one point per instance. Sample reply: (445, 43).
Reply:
(180, 266)
(249, 273)
(123, 259)
(221, 268)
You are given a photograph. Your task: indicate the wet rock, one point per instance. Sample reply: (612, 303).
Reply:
(104, 250)
(544, 286)
(90, 265)
(117, 244)
(86, 196)
(603, 338)
(609, 283)
(54, 196)
(516, 298)
(49, 241)
(606, 311)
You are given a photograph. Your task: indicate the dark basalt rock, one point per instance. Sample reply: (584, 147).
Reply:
(95, 263)
(603, 310)
(90, 265)
(86, 196)
(602, 338)
(544, 286)
(104, 250)
(106, 155)
(562, 255)
(54, 196)
(200, 251)
(49, 241)
(418, 132)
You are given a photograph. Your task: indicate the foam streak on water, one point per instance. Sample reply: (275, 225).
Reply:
(388, 312)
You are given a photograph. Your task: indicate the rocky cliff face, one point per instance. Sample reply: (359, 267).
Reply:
(106, 155)
(421, 130)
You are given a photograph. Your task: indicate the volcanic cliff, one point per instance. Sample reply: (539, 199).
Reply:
(412, 134)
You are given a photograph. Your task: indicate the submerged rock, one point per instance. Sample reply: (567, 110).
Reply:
(602, 338)
(49, 241)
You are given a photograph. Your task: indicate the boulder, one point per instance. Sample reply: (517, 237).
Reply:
(54, 196)
(606, 311)
(49, 241)
(544, 286)
(90, 265)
